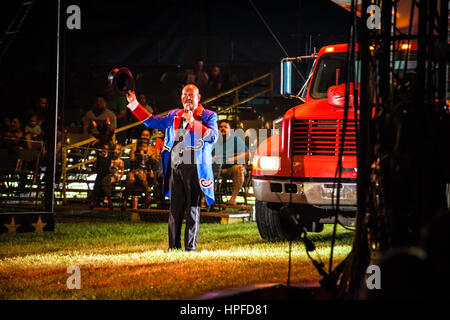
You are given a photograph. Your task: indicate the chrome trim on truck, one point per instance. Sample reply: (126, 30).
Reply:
(314, 193)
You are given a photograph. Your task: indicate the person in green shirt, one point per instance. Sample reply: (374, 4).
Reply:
(230, 155)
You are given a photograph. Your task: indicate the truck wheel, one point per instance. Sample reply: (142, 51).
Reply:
(271, 226)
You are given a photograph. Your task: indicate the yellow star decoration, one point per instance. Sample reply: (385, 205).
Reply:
(12, 227)
(39, 226)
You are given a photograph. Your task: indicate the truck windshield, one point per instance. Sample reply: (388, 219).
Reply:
(330, 71)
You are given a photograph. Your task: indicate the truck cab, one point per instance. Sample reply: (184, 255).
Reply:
(297, 167)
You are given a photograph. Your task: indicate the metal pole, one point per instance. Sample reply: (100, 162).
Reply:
(53, 120)
(64, 174)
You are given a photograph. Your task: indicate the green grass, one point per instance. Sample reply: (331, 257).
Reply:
(124, 260)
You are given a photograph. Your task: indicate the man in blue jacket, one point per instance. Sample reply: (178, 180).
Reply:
(186, 158)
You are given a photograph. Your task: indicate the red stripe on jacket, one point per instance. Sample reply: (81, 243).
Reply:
(141, 113)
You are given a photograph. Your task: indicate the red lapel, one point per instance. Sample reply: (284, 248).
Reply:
(198, 112)
(176, 122)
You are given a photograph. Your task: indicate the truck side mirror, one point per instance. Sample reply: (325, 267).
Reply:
(336, 95)
(286, 77)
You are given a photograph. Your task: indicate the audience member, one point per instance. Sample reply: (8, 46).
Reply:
(141, 175)
(40, 111)
(115, 173)
(33, 128)
(159, 141)
(14, 137)
(15, 145)
(215, 82)
(99, 117)
(172, 81)
(61, 140)
(134, 132)
(142, 98)
(156, 150)
(101, 168)
(229, 157)
(107, 166)
(5, 126)
(117, 104)
(198, 76)
(33, 134)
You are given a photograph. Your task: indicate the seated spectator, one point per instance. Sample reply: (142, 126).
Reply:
(115, 173)
(135, 131)
(33, 128)
(141, 175)
(99, 117)
(14, 137)
(229, 157)
(101, 168)
(171, 82)
(5, 126)
(198, 76)
(117, 105)
(142, 98)
(15, 144)
(40, 111)
(33, 134)
(109, 169)
(156, 150)
(215, 82)
(61, 140)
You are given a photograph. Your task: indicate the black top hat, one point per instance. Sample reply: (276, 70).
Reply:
(122, 80)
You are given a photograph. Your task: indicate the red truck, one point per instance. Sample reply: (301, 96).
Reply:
(298, 165)
(294, 171)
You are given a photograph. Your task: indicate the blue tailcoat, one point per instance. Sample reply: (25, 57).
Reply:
(200, 139)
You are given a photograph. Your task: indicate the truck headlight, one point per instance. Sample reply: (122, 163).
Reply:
(266, 163)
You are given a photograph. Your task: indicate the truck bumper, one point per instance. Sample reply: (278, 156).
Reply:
(313, 193)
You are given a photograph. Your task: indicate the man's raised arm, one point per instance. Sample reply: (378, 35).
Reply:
(160, 123)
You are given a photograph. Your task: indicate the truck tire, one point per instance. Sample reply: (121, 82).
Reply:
(270, 225)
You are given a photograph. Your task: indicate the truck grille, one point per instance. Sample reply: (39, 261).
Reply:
(323, 137)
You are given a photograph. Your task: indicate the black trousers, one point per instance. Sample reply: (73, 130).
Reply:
(185, 196)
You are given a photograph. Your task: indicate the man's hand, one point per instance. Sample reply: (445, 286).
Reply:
(131, 96)
(188, 116)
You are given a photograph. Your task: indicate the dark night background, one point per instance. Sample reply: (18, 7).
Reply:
(153, 37)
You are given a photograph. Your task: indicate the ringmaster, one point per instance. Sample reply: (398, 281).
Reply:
(186, 158)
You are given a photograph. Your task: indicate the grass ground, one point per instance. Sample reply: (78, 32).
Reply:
(124, 260)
